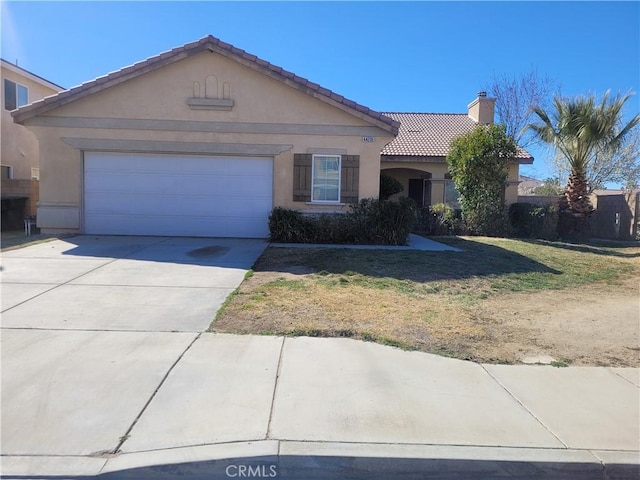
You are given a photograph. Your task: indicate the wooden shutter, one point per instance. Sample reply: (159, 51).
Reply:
(350, 175)
(302, 177)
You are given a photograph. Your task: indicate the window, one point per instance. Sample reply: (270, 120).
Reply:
(451, 193)
(15, 95)
(7, 172)
(325, 179)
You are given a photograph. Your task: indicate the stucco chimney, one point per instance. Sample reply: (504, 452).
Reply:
(482, 108)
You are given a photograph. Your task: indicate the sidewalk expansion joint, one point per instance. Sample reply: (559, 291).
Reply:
(124, 438)
(622, 377)
(523, 406)
(275, 391)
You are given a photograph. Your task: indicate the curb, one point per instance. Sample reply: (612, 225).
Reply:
(285, 460)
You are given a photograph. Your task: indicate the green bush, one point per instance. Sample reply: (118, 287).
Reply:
(370, 222)
(439, 219)
(389, 186)
(383, 222)
(288, 226)
(529, 220)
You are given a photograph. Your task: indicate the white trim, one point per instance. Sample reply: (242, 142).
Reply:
(31, 76)
(313, 160)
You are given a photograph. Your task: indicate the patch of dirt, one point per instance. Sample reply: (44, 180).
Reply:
(591, 325)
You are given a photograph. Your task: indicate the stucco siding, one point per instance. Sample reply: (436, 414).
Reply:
(153, 110)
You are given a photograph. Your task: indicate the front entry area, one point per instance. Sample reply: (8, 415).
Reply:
(177, 195)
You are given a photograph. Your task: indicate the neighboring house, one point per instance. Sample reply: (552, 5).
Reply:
(19, 152)
(205, 139)
(202, 140)
(417, 156)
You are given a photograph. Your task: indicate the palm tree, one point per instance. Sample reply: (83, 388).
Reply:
(578, 129)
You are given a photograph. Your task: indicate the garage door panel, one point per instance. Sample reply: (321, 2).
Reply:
(153, 204)
(156, 183)
(253, 187)
(105, 181)
(108, 203)
(238, 207)
(109, 224)
(147, 194)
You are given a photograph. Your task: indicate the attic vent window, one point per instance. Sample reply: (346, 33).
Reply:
(213, 97)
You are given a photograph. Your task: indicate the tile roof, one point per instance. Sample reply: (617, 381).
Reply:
(430, 134)
(211, 44)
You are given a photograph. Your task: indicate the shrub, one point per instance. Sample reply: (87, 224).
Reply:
(439, 219)
(383, 222)
(389, 186)
(370, 222)
(288, 226)
(529, 220)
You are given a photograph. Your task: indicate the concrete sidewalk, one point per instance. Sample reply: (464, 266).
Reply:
(300, 408)
(106, 372)
(416, 242)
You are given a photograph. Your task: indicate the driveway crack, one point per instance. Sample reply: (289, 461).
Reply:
(127, 434)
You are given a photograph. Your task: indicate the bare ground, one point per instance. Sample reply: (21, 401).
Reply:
(596, 324)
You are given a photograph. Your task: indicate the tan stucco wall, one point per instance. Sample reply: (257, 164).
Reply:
(403, 171)
(162, 95)
(19, 146)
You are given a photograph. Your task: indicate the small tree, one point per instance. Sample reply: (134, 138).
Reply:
(389, 186)
(478, 163)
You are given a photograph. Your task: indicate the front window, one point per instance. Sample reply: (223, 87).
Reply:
(325, 178)
(15, 95)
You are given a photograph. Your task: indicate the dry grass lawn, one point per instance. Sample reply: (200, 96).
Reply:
(500, 300)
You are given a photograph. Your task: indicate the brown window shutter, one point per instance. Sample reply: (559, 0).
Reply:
(302, 177)
(350, 177)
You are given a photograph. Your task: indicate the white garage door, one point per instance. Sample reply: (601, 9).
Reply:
(177, 195)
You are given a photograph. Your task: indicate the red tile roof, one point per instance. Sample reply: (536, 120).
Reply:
(212, 44)
(430, 134)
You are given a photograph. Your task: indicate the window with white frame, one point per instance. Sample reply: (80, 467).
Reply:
(325, 178)
(15, 95)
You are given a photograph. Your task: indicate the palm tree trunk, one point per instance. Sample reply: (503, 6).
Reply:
(575, 209)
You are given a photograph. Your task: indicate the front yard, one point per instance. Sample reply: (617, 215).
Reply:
(500, 300)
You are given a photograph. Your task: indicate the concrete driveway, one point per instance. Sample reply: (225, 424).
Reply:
(123, 283)
(91, 326)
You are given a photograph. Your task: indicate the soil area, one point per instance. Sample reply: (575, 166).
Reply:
(592, 325)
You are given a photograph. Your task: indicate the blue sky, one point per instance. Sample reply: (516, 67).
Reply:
(390, 56)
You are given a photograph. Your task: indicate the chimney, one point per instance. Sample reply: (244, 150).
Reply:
(482, 108)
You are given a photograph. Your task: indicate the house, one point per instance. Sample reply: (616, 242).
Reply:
(417, 156)
(19, 151)
(202, 140)
(205, 139)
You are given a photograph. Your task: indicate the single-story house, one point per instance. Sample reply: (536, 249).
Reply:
(204, 140)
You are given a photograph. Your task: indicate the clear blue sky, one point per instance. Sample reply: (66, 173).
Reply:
(390, 56)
